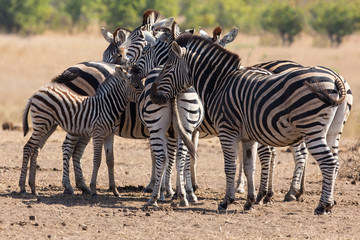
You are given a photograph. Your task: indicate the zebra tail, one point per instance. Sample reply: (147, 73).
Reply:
(25, 118)
(65, 77)
(319, 90)
(181, 130)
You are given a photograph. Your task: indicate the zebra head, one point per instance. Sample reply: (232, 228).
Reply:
(174, 77)
(156, 53)
(129, 50)
(133, 84)
(115, 40)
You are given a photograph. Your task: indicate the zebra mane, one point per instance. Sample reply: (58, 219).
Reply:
(150, 15)
(185, 40)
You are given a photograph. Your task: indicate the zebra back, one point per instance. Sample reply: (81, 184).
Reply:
(85, 78)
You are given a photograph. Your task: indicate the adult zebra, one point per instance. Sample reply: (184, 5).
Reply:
(307, 105)
(159, 119)
(125, 46)
(157, 55)
(299, 150)
(96, 117)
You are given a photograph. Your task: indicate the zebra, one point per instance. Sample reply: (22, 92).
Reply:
(152, 57)
(96, 117)
(125, 46)
(299, 150)
(309, 104)
(158, 55)
(84, 79)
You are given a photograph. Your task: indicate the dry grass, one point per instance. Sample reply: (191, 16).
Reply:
(26, 63)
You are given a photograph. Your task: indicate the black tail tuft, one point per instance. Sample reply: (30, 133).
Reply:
(66, 76)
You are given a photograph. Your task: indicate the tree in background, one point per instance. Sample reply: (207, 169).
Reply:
(24, 16)
(336, 19)
(167, 8)
(123, 13)
(282, 19)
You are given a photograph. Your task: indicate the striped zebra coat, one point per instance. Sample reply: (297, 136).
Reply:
(84, 79)
(157, 55)
(278, 110)
(159, 119)
(95, 117)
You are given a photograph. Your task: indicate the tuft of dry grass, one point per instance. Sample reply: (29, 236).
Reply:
(26, 63)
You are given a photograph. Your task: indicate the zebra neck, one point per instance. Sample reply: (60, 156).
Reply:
(210, 77)
(113, 101)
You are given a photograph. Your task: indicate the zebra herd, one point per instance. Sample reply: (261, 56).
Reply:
(174, 87)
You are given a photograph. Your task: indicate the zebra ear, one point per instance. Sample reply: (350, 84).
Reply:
(164, 23)
(179, 51)
(148, 37)
(107, 35)
(191, 31)
(203, 33)
(120, 37)
(175, 30)
(228, 38)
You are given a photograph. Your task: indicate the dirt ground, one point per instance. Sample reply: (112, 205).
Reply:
(26, 63)
(53, 215)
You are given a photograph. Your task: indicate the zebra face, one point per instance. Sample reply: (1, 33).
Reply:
(173, 79)
(115, 41)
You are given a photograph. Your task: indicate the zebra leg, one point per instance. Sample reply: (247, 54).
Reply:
(320, 150)
(195, 138)
(249, 154)
(190, 191)
(169, 192)
(109, 153)
(38, 139)
(97, 145)
(68, 149)
(300, 156)
(270, 191)
(149, 188)
(180, 165)
(240, 185)
(264, 153)
(157, 144)
(77, 155)
(230, 146)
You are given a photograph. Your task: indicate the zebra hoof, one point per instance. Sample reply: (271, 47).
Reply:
(268, 200)
(224, 205)
(289, 197)
(152, 202)
(68, 192)
(195, 187)
(183, 203)
(169, 194)
(85, 190)
(192, 198)
(323, 208)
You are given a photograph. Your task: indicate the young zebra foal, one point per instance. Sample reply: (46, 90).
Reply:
(96, 117)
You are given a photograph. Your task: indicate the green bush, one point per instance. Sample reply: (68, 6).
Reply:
(24, 16)
(336, 19)
(282, 19)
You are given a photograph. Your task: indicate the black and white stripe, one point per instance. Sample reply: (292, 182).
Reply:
(95, 117)
(307, 105)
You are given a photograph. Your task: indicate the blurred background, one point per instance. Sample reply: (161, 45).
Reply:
(41, 38)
